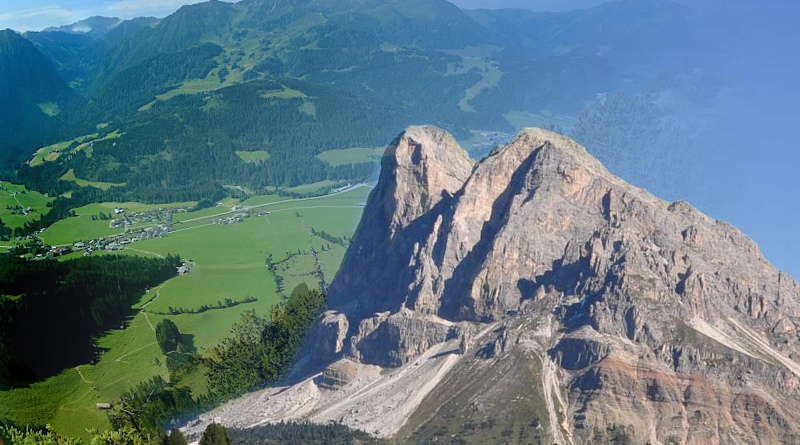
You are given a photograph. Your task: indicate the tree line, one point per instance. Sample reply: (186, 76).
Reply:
(51, 311)
(260, 350)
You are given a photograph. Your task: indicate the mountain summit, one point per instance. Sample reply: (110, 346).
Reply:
(535, 295)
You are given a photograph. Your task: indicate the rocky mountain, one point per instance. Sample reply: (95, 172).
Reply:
(533, 297)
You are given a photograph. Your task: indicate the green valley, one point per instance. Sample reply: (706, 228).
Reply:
(227, 262)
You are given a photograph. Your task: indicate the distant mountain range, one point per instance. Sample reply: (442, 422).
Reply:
(95, 27)
(304, 73)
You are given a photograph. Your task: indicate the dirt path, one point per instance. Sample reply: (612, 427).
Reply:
(355, 187)
(158, 294)
(158, 255)
(78, 368)
(24, 213)
(119, 359)
(148, 320)
(144, 312)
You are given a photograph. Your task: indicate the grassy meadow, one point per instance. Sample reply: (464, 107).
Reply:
(229, 262)
(14, 195)
(352, 155)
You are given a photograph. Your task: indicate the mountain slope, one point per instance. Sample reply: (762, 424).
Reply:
(534, 297)
(626, 31)
(33, 94)
(74, 54)
(94, 27)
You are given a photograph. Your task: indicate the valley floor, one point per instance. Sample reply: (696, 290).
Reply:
(229, 261)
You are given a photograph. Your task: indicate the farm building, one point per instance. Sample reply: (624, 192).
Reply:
(103, 405)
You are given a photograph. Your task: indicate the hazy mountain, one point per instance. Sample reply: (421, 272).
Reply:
(628, 31)
(434, 24)
(535, 296)
(94, 27)
(127, 28)
(33, 95)
(77, 54)
(425, 60)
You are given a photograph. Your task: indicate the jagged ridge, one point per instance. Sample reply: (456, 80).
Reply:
(574, 297)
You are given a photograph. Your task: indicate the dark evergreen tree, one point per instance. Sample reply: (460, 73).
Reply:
(176, 437)
(168, 336)
(216, 434)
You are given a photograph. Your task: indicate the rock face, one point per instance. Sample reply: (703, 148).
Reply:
(650, 319)
(535, 298)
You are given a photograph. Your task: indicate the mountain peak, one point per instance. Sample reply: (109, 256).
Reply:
(95, 26)
(426, 164)
(536, 274)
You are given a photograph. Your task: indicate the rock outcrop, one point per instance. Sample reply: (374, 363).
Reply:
(576, 307)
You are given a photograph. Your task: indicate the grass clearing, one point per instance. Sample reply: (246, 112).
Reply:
(308, 188)
(352, 155)
(53, 152)
(285, 93)
(70, 176)
(491, 78)
(50, 108)
(14, 195)
(44, 152)
(253, 156)
(308, 108)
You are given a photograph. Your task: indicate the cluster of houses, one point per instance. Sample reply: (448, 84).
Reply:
(19, 210)
(184, 268)
(123, 220)
(342, 189)
(118, 242)
(57, 251)
(237, 218)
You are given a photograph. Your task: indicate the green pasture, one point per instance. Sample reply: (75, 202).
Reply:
(14, 195)
(352, 155)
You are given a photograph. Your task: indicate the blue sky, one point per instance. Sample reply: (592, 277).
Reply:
(38, 14)
(32, 15)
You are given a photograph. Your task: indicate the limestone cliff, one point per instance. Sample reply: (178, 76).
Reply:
(537, 297)
(665, 321)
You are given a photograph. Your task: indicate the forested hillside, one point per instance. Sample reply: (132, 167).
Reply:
(33, 97)
(183, 97)
(51, 310)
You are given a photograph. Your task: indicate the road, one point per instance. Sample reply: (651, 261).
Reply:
(276, 211)
(24, 213)
(355, 187)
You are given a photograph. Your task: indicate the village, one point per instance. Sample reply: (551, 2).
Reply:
(123, 220)
(160, 219)
(140, 226)
(235, 218)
